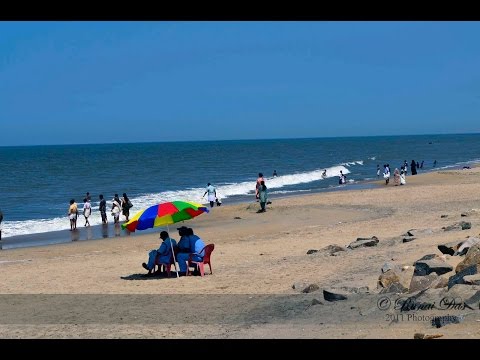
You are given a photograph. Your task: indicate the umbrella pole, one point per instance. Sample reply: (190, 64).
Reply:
(173, 253)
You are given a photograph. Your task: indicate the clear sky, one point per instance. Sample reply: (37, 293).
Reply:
(105, 82)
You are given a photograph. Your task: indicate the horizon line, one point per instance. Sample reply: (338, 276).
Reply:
(242, 139)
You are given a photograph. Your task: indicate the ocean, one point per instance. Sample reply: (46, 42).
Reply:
(37, 182)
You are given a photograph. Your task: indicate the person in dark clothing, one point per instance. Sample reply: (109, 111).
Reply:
(1, 219)
(413, 167)
(418, 165)
(103, 209)
(421, 165)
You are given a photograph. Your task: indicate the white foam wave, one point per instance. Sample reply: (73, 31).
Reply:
(14, 228)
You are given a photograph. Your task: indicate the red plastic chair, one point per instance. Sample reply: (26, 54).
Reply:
(201, 264)
(167, 267)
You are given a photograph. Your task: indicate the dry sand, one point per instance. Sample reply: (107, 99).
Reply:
(95, 289)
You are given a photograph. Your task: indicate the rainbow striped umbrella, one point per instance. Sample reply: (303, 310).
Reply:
(164, 214)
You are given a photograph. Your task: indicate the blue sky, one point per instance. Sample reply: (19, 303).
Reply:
(106, 82)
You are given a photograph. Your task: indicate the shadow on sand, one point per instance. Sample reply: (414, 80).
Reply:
(153, 276)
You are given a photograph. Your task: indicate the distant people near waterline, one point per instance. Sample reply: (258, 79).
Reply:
(402, 178)
(1, 219)
(258, 183)
(324, 174)
(418, 165)
(386, 173)
(126, 205)
(88, 197)
(421, 165)
(435, 163)
(405, 167)
(342, 179)
(87, 210)
(274, 173)
(116, 209)
(413, 167)
(378, 171)
(396, 177)
(212, 194)
(72, 214)
(103, 209)
(262, 196)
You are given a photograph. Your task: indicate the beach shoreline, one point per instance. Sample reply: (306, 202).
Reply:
(260, 269)
(99, 232)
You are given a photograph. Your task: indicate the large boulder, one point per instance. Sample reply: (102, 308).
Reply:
(458, 278)
(425, 267)
(471, 258)
(419, 283)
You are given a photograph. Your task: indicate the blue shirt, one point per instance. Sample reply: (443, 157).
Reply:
(165, 250)
(197, 245)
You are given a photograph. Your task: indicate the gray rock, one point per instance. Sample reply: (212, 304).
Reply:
(440, 321)
(462, 292)
(463, 214)
(332, 249)
(370, 238)
(316, 302)
(355, 289)
(237, 217)
(419, 283)
(467, 244)
(426, 257)
(411, 232)
(311, 251)
(466, 225)
(390, 266)
(472, 279)
(450, 248)
(388, 278)
(444, 216)
(299, 285)
(425, 267)
(471, 258)
(362, 242)
(474, 300)
(458, 277)
(311, 288)
(334, 295)
(408, 239)
(395, 288)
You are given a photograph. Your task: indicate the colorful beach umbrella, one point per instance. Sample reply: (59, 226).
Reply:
(164, 214)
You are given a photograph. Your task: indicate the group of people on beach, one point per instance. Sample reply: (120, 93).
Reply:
(190, 247)
(119, 205)
(399, 175)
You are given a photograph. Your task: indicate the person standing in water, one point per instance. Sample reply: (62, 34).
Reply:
(87, 211)
(274, 173)
(212, 194)
(378, 171)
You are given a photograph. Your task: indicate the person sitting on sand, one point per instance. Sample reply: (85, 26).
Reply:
(196, 247)
(162, 254)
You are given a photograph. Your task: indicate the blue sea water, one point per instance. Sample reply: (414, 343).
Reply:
(37, 182)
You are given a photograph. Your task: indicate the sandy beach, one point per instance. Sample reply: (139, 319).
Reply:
(96, 289)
